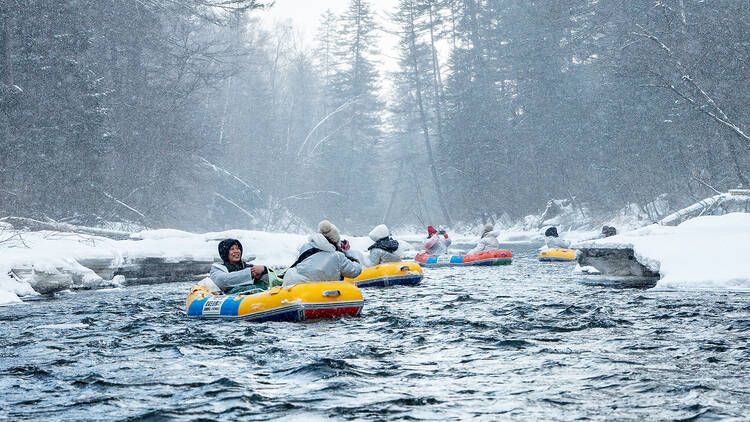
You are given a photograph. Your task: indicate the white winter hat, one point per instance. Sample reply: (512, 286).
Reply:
(329, 231)
(379, 232)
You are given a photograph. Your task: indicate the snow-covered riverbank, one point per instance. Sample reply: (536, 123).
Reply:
(708, 252)
(54, 253)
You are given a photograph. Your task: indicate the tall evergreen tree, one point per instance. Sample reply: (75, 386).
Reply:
(356, 129)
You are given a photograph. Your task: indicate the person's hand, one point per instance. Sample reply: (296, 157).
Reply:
(257, 270)
(345, 245)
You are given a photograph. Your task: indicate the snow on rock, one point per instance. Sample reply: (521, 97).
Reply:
(704, 252)
(11, 287)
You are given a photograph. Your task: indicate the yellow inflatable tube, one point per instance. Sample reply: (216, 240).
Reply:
(389, 274)
(557, 255)
(295, 303)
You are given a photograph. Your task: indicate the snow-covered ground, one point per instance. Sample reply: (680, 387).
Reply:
(709, 252)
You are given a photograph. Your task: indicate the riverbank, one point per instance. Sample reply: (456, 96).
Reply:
(709, 252)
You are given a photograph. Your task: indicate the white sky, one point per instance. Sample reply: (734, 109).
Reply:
(305, 16)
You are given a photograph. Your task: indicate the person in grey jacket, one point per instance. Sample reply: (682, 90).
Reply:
(385, 248)
(321, 259)
(488, 240)
(233, 275)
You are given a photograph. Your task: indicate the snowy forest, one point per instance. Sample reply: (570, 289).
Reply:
(191, 114)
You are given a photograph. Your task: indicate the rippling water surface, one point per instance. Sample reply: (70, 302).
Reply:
(529, 341)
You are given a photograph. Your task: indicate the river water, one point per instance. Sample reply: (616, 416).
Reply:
(529, 341)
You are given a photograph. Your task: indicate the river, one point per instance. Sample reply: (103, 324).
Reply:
(528, 341)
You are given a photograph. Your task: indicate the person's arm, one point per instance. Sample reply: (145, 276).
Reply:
(258, 271)
(447, 241)
(376, 256)
(349, 269)
(352, 256)
(226, 280)
(429, 243)
(478, 248)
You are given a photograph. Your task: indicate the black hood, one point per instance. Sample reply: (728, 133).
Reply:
(224, 246)
(552, 231)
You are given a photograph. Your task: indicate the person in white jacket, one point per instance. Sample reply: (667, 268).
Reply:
(488, 241)
(321, 259)
(385, 248)
(437, 241)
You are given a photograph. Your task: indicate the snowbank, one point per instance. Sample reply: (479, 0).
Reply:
(705, 252)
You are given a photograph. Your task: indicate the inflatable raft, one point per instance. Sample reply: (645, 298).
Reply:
(497, 257)
(557, 255)
(296, 303)
(389, 274)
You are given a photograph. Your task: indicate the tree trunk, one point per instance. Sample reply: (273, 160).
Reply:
(423, 118)
(436, 82)
(735, 153)
(393, 194)
(6, 77)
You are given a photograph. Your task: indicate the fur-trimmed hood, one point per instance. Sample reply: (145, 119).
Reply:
(331, 232)
(319, 241)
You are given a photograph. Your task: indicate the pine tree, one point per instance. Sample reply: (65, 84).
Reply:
(356, 129)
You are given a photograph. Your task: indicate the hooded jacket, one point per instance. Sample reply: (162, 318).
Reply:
(326, 265)
(227, 276)
(384, 250)
(488, 242)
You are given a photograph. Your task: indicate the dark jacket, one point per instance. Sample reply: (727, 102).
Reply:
(384, 250)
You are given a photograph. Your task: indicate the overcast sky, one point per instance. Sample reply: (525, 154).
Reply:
(306, 13)
(305, 16)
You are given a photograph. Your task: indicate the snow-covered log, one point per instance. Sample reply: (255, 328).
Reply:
(737, 200)
(30, 224)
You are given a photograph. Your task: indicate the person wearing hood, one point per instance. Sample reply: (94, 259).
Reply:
(233, 275)
(608, 231)
(321, 259)
(553, 241)
(437, 241)
(488, 241)
(385, 248)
